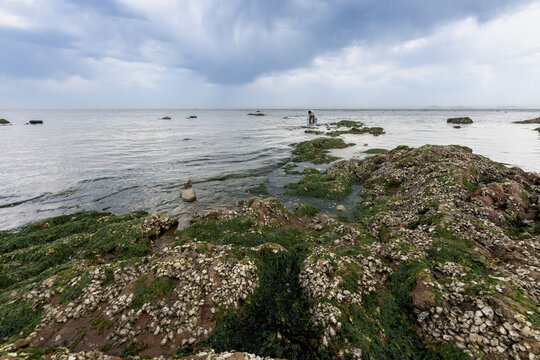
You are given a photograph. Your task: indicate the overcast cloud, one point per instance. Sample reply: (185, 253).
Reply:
(295, 53)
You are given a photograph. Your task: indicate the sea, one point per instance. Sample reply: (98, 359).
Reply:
(124, 160)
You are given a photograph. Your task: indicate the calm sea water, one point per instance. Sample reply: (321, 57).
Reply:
(122, 160)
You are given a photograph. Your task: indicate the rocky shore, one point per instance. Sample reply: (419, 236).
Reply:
(439, 262)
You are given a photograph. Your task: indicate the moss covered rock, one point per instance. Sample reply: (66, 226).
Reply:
(316, 150)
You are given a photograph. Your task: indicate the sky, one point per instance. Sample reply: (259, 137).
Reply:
(269, 53)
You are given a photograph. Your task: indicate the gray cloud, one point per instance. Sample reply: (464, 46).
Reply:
(230, 42)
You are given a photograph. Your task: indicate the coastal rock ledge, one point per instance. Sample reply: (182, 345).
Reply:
(441, 262)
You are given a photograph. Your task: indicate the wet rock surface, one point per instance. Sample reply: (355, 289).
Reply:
(188, 195)
(441, 262)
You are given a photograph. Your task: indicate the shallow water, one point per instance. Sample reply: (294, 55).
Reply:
(122, 160)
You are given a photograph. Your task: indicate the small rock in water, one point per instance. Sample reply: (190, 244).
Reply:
(189, 195)
(340, 208)
(4, 121)
(460, 120)
(187, 185)
(166, 118)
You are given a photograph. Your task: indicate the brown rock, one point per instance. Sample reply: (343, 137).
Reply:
(21, 343)
(423, 296)
(189, 195)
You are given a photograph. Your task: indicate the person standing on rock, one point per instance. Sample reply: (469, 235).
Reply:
(311, 117)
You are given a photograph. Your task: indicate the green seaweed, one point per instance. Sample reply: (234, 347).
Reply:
(318, 185)
(260, 189)
(376, 151)
(383, 326)
(275, 321)
(347, 123)
(160, 288)
(306, 210)
(45, 248)
(18, 319)
(100, 324)
(316, 150)
(73, 292)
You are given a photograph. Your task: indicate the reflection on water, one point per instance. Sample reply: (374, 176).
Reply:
(121, 160)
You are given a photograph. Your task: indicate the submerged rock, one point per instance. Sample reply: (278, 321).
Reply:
(460, 120)
(189, 195)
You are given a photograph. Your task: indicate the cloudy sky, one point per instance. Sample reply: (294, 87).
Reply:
(269, 53)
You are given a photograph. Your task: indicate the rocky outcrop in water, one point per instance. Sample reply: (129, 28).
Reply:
(441, 263)
(4, 122)
(531, 121)
(460, 120)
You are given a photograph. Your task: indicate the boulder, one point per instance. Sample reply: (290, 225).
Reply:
(460, 120)
(189, 195)
(537, 129)
(166, 118)
(4, 121)
(21, 343)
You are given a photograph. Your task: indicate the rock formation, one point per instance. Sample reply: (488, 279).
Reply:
(441, 262)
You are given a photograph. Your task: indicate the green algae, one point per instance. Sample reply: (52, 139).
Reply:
(275, 321)
(48, 247)
(376, 151)
(73, 292)
(133, 349)
(17, 319)
(316, 150)
(375, 131)
(159, 288)
(319, 185)
(100, 325)
(347, 123)
(260, 189)
(383, 327)
(306, 210)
